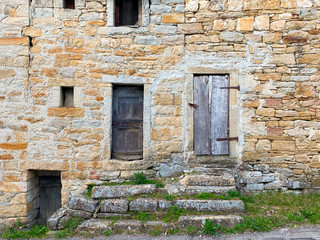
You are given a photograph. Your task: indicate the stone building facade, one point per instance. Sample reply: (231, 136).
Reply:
(51, 51)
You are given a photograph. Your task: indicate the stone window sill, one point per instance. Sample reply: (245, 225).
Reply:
(66, 112)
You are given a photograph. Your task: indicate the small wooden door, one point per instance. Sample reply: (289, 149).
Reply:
(127, 123)
(211, 116)
(50, 197)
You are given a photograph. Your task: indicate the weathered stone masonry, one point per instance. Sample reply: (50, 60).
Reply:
(270, 48)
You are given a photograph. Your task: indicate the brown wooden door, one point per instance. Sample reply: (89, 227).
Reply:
(127, 123)
(50, 197)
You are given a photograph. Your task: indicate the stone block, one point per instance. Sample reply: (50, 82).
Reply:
(283, 145)
(207, 180)
(173, 18)
(282, 59)
(272, 4)
(252, 4)
(31, 32)
(128, 226)
(262, 22)
(122, 191)
(143, 205)
(165, 204)
(304, 3)
(95, 226)
(245, 24)
(7, 73)
(54, 220)
(80, 214)
(254, 187)
(14, 41)
(227, 221)
(62, 60)
(231, 36)
(217, 5)
(235, 5)
(14, 146)
(305, 92)
(66, 112)
(82, 203)
(190, 28)
(160, 9)
(114, 206)
(211, 205)
(192, 5)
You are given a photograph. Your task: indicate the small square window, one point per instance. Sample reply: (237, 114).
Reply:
(127, 12)
(131, 13)
(69, 4)
(67, 96)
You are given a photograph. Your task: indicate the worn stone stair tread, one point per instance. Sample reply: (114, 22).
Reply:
(194, 190)
(208, 180)
(212, 205)
(228, 221)
(135, 226)
(122, 190)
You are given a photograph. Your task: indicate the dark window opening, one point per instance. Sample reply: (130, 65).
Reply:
(68, 4)
(128, 12)
(67, 94)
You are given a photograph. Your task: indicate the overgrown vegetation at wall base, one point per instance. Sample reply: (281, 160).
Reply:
(19, 231)
(267, 211)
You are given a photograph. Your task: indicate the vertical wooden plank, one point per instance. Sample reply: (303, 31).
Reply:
(219, 114)
(202, 144)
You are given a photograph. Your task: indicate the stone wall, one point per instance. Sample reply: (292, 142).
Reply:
(268, 47)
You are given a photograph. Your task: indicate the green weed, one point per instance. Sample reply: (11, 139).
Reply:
(70, 227)
(159, 184)
(107, 233)
(19, 231)
(168, 197)
(191, 230)
(210, 228)
(143, 216)
(173, 213)
(89, 190)
(139, 178)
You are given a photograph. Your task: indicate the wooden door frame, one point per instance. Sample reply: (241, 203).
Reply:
(233, 108)
(147, 99)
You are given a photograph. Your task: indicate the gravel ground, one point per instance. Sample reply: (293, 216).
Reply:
(299, 233)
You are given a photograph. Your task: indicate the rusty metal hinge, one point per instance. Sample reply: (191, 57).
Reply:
(237, 87)
(193, 105)
(228, 139)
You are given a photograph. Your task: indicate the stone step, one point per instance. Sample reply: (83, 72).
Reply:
(227, 221)
(195, 190)
(122, 191)
(208, 180)
(98, 226)
(220, 206)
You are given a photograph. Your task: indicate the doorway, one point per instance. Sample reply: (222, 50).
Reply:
(127, 122)
(50, 195)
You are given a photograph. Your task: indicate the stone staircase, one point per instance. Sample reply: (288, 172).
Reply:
(118, 202)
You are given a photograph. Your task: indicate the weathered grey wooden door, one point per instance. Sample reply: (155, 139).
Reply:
(211, 114)
(127, 123)
(50, 197)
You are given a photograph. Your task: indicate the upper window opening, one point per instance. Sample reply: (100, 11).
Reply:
(69, 4)
(128, 12)
(67, 97)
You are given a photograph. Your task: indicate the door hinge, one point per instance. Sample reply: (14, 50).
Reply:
(228, 139)
(236, 87)
(193, 105)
